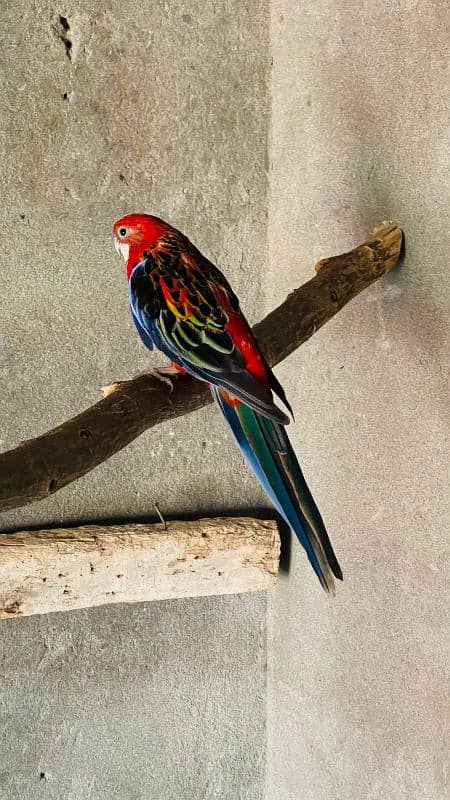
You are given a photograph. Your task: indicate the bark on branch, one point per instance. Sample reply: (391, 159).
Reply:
(39, 467)
(67, 568)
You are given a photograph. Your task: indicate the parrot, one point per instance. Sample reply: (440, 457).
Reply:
(182, 305)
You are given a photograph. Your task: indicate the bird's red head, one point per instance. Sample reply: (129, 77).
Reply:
(136, 233)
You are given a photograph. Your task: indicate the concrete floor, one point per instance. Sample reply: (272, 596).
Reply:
(173, 108)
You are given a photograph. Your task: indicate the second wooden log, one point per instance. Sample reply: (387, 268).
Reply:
(64, 569)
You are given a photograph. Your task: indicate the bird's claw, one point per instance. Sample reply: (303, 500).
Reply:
(163, 374)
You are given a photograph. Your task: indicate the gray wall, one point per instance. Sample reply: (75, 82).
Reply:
(358, 134)
(166, 112)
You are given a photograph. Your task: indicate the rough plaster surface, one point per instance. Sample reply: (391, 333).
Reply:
(152, 121)
(159, 700)
(159, 107)
(357, 708)
(167, 700)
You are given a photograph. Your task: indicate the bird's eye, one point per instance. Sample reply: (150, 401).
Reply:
(122, 232)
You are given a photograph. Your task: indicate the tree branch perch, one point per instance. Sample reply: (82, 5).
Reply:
(39, 467)
(66, 568)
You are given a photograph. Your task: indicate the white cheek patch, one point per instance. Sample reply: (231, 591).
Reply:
(122, 249)
(125, 250)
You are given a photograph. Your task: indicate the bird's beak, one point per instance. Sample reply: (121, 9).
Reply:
(117, 246)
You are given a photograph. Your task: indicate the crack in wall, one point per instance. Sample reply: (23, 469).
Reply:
(63, 31)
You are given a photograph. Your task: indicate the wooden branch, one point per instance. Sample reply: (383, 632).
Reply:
(41, 466)
(59, 570)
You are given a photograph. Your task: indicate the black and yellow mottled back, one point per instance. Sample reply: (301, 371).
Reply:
(183, 305)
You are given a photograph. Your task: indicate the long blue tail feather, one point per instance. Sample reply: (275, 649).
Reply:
(266, 447)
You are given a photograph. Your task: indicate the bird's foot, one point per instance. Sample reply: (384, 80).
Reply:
(163, 374)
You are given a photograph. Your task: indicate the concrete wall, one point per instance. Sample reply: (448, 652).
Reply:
(161, 107)
(165, 107)
(356, 709)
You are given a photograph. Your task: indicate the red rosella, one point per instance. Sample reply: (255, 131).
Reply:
(183, 305)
